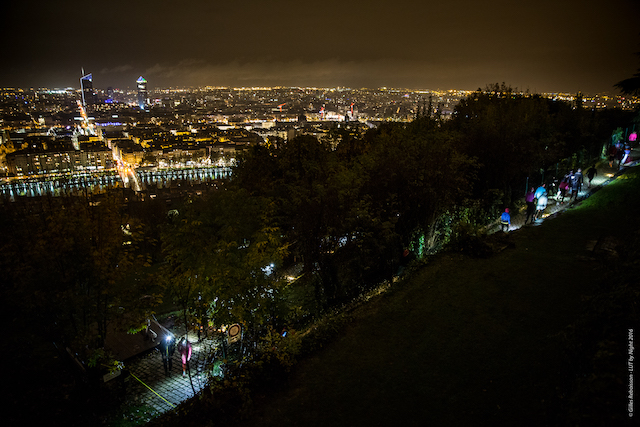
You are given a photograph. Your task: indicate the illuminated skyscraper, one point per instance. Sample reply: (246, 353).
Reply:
(142, 92)
(86, 86)
(110, 94)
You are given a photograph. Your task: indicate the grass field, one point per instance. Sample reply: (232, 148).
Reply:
(496, 341)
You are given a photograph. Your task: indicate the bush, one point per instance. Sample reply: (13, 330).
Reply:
(469, 240)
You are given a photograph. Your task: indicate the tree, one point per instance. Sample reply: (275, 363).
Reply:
(70, 265)
(223, 249)
(416, 170)
(513, 134)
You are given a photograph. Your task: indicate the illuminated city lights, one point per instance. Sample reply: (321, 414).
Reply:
(198, 128)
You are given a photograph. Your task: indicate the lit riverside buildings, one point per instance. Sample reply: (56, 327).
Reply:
(44, 160)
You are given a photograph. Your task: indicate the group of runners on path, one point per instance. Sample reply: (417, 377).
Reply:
(568, 188)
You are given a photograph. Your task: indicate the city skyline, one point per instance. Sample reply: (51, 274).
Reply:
(566, 46)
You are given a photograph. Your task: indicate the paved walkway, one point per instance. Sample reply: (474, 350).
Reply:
(148, 387)
(174, 388)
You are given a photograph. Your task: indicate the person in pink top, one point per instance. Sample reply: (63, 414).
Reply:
(562, 190)
(185, 353)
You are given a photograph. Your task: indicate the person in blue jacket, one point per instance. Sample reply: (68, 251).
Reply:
(505, 220)
(540, 191)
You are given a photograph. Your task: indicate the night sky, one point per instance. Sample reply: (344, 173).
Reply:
(542, 46)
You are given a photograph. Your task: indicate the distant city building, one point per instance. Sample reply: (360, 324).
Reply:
(110, 94)
(142, 92)
(86, 87)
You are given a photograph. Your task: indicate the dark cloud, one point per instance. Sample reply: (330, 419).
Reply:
(545, 45)
(117, 69)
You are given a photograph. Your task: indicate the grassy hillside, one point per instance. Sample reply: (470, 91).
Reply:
(534, 335)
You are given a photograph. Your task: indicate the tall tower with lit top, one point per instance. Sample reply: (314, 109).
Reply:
(86, 87)
(142, 92)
